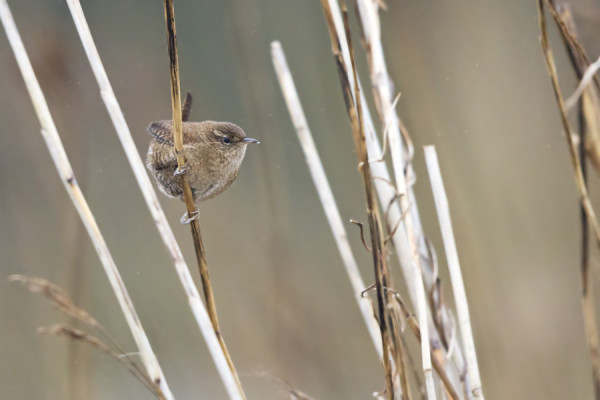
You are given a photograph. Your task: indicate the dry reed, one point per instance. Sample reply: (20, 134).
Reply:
(199, 311)
(192, 211)
(460, 296)
(61, 161)
(321, 182)
(354, 104)
(63, 303)
(394, 213)
(587, 298)
(382, 91)
(401, 214)
(401, 153)
(404, 239)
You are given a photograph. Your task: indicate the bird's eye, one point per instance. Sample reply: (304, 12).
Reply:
(225, 140)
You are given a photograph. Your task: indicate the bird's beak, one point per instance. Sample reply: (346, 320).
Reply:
(250, 140)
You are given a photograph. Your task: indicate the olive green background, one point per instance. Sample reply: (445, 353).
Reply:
(473, 83)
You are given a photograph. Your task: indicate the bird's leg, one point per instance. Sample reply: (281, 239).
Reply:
(187, 218)
(180, 171)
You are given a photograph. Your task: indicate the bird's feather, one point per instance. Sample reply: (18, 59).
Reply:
(162, 131)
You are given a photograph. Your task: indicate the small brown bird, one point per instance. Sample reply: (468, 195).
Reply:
(213, 152)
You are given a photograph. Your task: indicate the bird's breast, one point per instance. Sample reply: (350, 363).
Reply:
(212, 174)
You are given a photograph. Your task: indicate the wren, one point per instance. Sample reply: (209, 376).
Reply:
(213, 152)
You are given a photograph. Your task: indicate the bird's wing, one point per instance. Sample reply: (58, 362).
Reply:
(162, 131)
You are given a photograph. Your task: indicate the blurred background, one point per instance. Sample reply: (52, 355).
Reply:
(473, 83)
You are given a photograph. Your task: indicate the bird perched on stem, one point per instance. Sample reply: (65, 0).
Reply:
(213, 152)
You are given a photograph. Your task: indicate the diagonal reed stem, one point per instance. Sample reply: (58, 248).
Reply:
(61, 161)
(286, 82)
(112, 105)
(354, 105)
(551, 66)
(458, 286)
(383, 92)
(187, 192)
(587, 298)
(404, 239)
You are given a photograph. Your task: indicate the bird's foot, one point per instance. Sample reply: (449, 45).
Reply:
(180, 171)
(187, 217)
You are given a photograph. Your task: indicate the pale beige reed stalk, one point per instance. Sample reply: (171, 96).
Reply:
(158, 215)
(319, 177)
(368, 12)
(458, 286)
(406, 245)
(61, 161)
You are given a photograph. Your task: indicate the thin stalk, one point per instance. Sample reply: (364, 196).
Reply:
(158, 215)
(368, 12)
(406, 239)
(585, 242)
(589, 106)
(403, 371)
(61, 161)
(422, 309)
(382, 84)
(347, 73)
(587, 300)
(332, 213)
(387, 192)
(458, 286)
(187, 191)
(569, 37)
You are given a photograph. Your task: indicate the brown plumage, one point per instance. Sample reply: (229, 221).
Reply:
(213, 152)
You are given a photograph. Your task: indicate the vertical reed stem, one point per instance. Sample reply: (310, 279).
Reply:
(187, 192)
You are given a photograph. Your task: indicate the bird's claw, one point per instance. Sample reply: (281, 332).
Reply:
(180, 171)
(187, 218)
